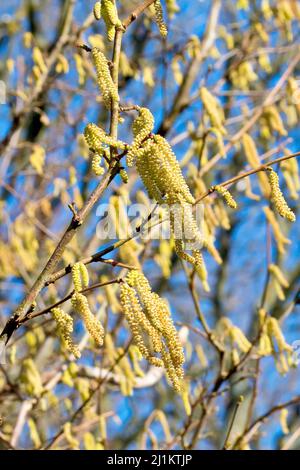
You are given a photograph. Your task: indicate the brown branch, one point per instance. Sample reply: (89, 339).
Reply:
(262, 418)
(90, 259)
(98, 257)
(87, 290)
(137, 12)
(237, 178)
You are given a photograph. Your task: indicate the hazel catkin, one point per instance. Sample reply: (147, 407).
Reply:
(97, 10)
(277, 197)
(226, 195)
(148, 314)
(93, 326)
(64, 323)
(80, 276)
(159, 18)
(104, 80)
(110, 16)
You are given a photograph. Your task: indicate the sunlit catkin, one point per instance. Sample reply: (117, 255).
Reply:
(159, 17)
(283, 421)
(80, 276)
(31, 378)
(172, 7)
(141, 128)
(93, 326)
(97, 10)
(232, 337)
(39, 59)
(290, 170)
(161, 174)
(274, 120)
(280, 238)
(226, 195)
(110, 16)
(277, 197)
(254, 161)
(278, 274)
(136, 320)
(64, 323)
(124, 175)
(213, 109)
(276, 334)
(147, 313)
(97, 169)
(96, 137)
(106, 85)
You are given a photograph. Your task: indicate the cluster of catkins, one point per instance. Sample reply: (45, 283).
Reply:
(107, 10)
(272, 342)
(100, 143)
(160, 172)
(152, 327)
(232, 340)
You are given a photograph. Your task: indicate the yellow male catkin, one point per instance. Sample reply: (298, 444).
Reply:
(275, 332)
(97, 10)
(71, 440)
(93, 326)
(238, 338)
(39, 59)
(159, 18)
(226, 195)
(254, 161)
(96, 138)
(278, 274)
(213, 110)
(124, 175)
(141, 128)
(280, 238)
(105, 83)
(136, 320)
(172, 7)
(282, 352)
(277, 197)
(31, 378)
(80, 68)
(274, 119)
(80, 276)
(110, 16)
(232, 337)
(148, 314)
(283, 421)
(64, 323)
(161, 174)
(96, 162)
